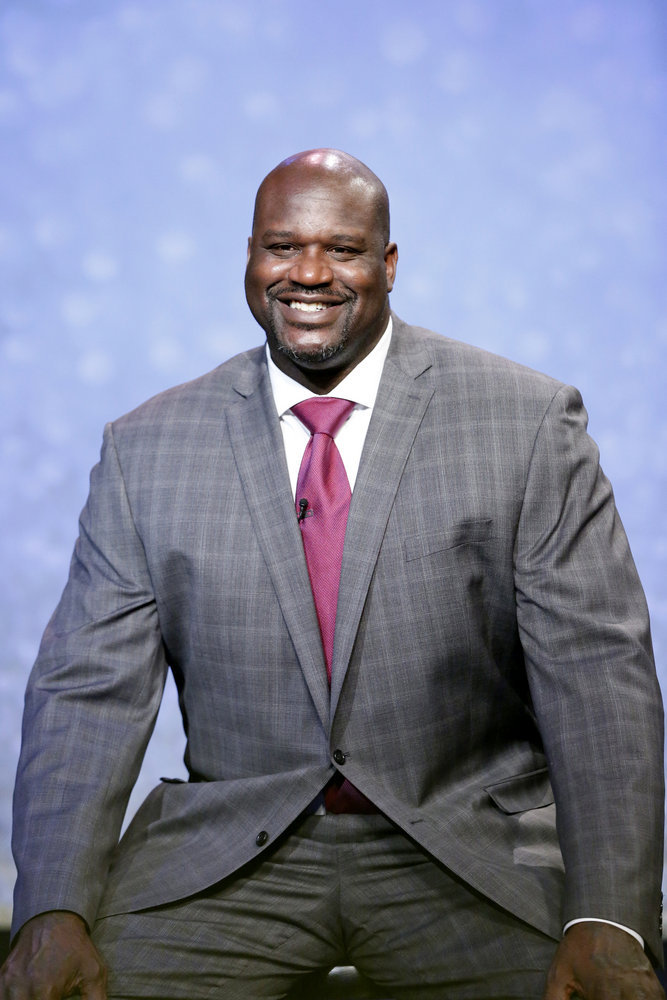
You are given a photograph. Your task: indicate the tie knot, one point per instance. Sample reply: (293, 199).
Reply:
(323, 414)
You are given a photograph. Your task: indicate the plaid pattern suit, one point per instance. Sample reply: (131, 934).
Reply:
(491, 667)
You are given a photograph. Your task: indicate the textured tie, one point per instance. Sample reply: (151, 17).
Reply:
(323, 501)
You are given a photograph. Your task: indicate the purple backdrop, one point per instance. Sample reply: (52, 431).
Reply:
(523, 145)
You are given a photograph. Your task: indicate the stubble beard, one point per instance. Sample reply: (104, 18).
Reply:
(313, 355)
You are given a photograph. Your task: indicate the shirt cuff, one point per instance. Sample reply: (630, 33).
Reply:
(599, 920)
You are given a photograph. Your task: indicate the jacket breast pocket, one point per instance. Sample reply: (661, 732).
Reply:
(464, 533)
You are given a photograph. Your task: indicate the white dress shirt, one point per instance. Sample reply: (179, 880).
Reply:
(361, 387)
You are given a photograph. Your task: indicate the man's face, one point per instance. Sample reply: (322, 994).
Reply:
(319, 272)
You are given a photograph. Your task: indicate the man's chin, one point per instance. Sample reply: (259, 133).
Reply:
(310, 356)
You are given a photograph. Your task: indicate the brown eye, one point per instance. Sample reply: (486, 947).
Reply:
(282, 249)
(344, 252)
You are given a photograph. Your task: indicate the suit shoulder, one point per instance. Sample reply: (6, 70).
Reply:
(474, 366)
(192, 400)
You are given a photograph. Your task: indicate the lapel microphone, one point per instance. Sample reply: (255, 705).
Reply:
(303, 507)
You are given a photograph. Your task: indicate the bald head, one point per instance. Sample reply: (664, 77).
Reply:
(328, 165)
(320, 265)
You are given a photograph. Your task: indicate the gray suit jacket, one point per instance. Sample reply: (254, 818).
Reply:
(493, 689)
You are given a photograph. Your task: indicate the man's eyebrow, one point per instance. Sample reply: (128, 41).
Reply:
(288, 234)
(278, 234)
(348, 238)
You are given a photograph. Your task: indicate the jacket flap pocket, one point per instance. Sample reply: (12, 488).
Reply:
(465, 532)
(531, 790)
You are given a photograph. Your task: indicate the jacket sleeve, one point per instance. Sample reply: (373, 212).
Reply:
(91, 704)
(585, 633)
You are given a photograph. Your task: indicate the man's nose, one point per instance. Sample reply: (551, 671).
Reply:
(311, 267)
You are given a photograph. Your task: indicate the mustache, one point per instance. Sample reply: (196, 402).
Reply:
(321, 292)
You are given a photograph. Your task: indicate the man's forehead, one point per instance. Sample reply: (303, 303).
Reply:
(304, 219)
(336, 185)
(313, 182)
(311, 195)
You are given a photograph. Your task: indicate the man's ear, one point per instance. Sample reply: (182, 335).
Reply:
(390, 262)
(247, 256)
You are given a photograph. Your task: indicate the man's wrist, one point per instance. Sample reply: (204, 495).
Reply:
(601, 920)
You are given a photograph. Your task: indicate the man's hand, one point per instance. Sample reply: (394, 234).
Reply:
(597, 961)
(52, 958)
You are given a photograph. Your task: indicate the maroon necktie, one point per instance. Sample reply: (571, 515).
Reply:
(322, 503)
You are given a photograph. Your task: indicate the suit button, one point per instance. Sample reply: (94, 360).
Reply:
(261, 838)
(339, 756)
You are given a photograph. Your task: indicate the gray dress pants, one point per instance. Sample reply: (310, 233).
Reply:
(335, 889)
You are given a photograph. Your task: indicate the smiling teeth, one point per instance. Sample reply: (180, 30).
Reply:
(309, 307)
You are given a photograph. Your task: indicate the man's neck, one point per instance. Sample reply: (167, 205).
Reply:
(321, 378)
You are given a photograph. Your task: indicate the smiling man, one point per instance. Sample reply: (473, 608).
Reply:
(320, 266)
(413, 658)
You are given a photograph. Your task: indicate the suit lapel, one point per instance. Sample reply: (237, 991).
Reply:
(256, 440)
(399, 409)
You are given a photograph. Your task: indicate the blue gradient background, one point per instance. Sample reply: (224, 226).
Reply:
(523, 144)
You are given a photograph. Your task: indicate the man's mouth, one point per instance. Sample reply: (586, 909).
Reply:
(310, 307)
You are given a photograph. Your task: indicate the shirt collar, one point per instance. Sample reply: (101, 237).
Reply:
(360, 386)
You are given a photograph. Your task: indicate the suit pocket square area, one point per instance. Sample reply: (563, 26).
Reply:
(463, 533)
(521, 792)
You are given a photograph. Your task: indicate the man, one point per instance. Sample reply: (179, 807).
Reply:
(388, 798)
